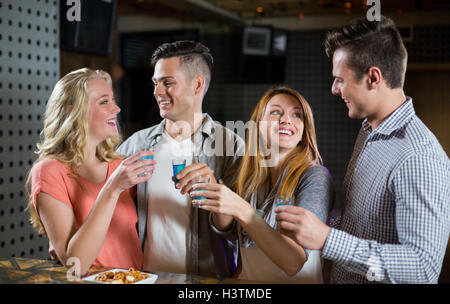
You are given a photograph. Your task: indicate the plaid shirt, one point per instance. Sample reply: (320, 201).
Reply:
(396, 215)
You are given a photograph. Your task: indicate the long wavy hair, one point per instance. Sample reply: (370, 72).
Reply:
(252, 175)
(66, 131)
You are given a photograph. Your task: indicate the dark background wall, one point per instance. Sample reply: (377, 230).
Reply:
(308, 70)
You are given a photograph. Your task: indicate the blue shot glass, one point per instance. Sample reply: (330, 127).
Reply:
(146, 157)
(282, 201)
(177, 166)
(201, 179)
(150, 156)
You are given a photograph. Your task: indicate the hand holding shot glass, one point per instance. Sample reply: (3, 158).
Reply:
(283, 201)
(134, 170)
(201, 179)
(185, 179)
(149, 154)
(218, 198)
(177, 166)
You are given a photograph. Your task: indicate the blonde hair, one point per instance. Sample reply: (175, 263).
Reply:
(252, 175)
(65, 133)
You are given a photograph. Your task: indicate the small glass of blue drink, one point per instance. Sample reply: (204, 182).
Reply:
(177, 166)
(281, 201)
(149, 156)
(201, 179)
(146, 157)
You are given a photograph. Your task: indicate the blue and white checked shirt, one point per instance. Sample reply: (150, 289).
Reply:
(396, 216)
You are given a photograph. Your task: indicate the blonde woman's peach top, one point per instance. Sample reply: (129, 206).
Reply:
(121, 247)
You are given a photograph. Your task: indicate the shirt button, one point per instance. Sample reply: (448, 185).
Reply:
(369, 143)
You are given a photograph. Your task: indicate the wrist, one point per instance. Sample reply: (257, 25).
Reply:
(246, 213)
(111, 190)
(326, 233)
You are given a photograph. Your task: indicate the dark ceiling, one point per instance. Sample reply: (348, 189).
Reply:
(250, 9)
(290, 8)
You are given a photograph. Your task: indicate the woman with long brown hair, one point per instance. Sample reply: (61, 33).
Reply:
(281, 161)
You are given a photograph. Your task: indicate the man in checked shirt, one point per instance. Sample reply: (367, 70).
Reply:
(396, 210)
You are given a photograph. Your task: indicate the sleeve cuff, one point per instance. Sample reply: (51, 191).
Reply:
(226, 233)
(339, 246)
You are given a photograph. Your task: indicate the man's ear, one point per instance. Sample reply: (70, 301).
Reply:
(199, 84)
(375, 77)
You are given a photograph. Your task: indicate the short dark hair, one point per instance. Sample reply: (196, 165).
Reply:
(371, 43)
(195, 58)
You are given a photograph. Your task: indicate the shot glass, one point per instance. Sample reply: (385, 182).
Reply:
(201, 179)
(146, 157)
(177, 166)
(149, 156)
(281, 201)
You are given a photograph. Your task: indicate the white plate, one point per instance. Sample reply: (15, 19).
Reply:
(150, 280)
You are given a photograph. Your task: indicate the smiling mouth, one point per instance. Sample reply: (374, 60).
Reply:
(285, 132)
(162, 102)
(111, 122)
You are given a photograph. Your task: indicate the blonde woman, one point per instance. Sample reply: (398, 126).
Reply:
(284, 125)
(79, 188)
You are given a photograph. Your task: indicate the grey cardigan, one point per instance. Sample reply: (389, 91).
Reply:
(315, 192)
(207, 253)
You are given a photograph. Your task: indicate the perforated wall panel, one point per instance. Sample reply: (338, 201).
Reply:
(29, 68)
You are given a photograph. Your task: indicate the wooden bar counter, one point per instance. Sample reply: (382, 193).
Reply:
(29, 271)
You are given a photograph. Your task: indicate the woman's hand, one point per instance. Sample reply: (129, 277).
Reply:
(218, 199)
(133, 170)
(283, 251)
(224, 203)
(186, 177)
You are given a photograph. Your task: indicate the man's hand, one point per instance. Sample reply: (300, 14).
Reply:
(302, 226)
(186, 178)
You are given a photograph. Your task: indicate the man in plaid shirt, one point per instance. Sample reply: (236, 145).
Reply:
(396, 211)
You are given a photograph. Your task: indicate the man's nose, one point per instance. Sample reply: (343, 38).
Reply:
(335, 89)
(158, 90)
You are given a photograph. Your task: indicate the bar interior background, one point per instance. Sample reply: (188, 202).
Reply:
(38, 45)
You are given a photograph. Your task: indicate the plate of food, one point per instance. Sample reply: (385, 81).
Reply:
(122, 276)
